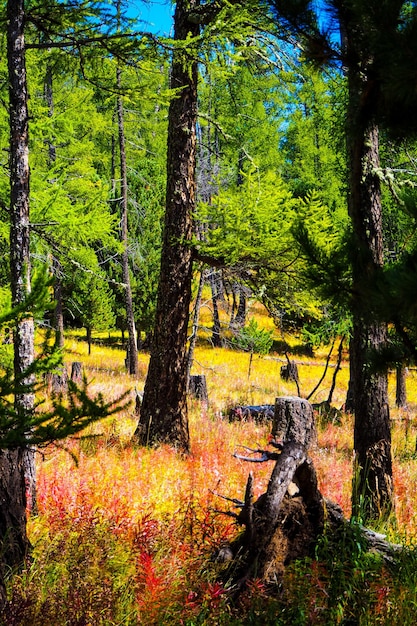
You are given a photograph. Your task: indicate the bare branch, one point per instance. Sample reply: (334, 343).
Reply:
(235, 501)
(228, 513)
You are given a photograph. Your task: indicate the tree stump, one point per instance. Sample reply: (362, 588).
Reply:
(294, 421)
(197, 387)
(285, 522)
(76, 372)
(57, 382)
(289, 372)
(138, 402)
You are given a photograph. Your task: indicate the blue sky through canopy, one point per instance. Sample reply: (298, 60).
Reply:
(156, 15)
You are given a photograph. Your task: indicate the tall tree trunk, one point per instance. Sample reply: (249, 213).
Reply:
(196, 317)
(132, 350)
(56, 265)
(17, 466)
(373, 487)
(164, 415)
(216, 339)
(240, 318)
(59, 305)
(14, 543)
(401, 387)
(88, 338)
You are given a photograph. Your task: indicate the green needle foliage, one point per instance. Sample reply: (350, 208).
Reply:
(68, 415)
(253, 339)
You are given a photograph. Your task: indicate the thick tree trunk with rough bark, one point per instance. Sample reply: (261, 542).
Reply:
(373, 488)
(14, 543)
(164, 416)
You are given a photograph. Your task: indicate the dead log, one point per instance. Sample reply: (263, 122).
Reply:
(259, 413)
(285, 522)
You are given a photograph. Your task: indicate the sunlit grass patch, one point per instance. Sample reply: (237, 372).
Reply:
(126, 535)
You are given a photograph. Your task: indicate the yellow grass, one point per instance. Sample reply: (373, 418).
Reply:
(141, 524)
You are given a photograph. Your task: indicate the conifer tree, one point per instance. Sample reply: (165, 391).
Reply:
(18, 465)
(164, 407)
(374, 36)
(21, 427)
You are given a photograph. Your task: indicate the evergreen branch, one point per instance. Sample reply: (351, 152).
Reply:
(216, 124)
(209, 260)
(61, 249)
(76, 43)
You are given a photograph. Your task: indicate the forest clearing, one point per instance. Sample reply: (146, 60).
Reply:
(232, 204)
(126, 534)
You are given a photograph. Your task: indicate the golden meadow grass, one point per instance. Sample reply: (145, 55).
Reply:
(126, 534)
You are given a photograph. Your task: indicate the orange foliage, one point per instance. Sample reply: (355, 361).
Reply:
(146, 518)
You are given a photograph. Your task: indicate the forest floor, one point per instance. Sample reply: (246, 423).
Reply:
(125, 535)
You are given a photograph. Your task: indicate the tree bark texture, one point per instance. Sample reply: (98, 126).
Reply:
(294, 421)
(373, 488)
(216, 339)
(14, 543)
(19, 193)
(285, 521)
(77, 372)
(164, 410)
(17, 468)
(132, 351)
(198, 388)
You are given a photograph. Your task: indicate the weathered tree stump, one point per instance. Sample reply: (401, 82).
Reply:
(326, 413)
(197, 387)
(57, 382)
(285, 522)
(289, 372)
(76, 372)
(294, 421)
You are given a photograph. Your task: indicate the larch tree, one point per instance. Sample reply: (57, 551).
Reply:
(373, 485)
(17, 466)
(132, 350)
(367, 51)
(164, 416)
(20, 427)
